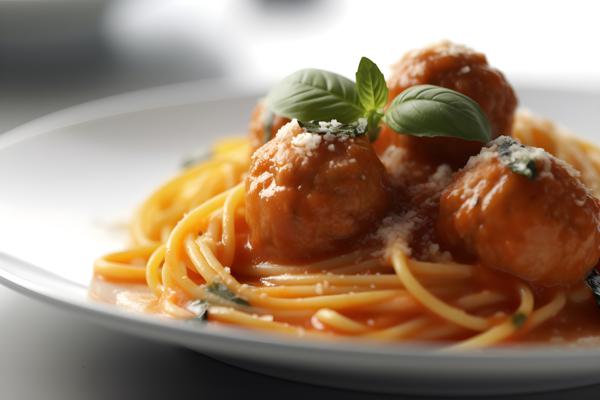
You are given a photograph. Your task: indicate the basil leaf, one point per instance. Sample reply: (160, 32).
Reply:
(373, 119)
(370, 85)
(313, 94)
(219, 289)
(427, 110)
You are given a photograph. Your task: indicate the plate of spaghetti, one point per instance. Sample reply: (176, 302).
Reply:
(422, 233)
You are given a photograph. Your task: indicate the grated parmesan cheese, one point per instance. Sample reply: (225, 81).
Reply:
(397, 230)
(270, 190)
(329, 137)
(393, 160)
(441, 177)
(434, 253)
(289, 129)
(411, 227)
(260, 180)
(328, 127)
(305, 142)
(341, 163)
(464, 70)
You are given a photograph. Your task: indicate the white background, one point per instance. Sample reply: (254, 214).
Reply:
(533, 39)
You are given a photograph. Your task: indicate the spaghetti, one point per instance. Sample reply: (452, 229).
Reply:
(410, 230)
(189, 240)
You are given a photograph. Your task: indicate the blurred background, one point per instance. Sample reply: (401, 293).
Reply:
(57, 53)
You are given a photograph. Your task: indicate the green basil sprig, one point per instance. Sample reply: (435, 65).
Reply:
(372, 94)
(423, 110)
(428, 110)
(219, 289)
(314, 94)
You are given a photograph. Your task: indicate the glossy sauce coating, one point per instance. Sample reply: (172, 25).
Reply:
(544, 229)
(308, 194)
(458, 68)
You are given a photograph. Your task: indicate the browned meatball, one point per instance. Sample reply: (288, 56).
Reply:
(405, 167)
(466, 71)
(258, 131)
(520, 210)
(309, 194)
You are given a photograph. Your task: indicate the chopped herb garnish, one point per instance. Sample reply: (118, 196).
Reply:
(194, 159)
(519, 319)
(517, 157)
(357, 128)
(219, 289)
(199, 308)
(593, 282)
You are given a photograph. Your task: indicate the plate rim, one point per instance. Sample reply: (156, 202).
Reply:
(203, 92)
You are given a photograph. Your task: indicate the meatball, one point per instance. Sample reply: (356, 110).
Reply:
(405, 165)
(308, 194)
(258, 132)
(520, 210)
(466, 71)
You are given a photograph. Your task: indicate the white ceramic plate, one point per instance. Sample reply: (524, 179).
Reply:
(69, 181)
